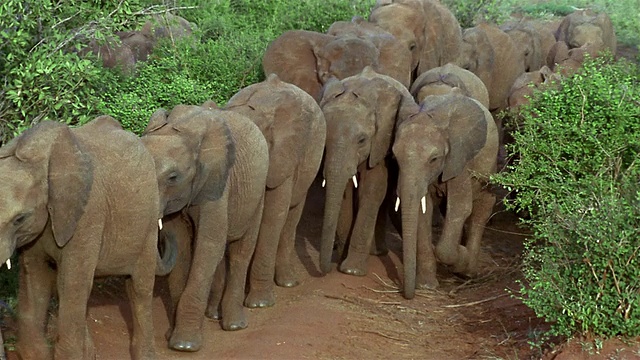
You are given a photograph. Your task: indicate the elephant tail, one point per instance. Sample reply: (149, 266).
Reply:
(167, 261)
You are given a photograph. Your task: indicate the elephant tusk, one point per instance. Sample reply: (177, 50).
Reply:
(8, 264)
(160, 224)
(355, 181)
(397, 203)
(423, 204)
(324, 182)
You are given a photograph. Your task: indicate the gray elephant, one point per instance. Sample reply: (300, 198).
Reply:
(426, 27)
(526, 83)
(84, 199)
(361, 112)
(443, 79)
(448, 148)
(213, 164)
(565, 61)
(584, 27)
(308, 59)
(492, 55)
(533, 40)
(295, 129)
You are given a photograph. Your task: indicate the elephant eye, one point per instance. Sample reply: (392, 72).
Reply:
(412, 46)
(361, 140)
(20, 219)
(433, 160)
(173, 178)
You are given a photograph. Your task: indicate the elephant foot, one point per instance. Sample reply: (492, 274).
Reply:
(181, 341)
(213, 312)
(286, 279)
(351, 267)
(34, 350)
(230, 323)
(260, 298)
(429, 284)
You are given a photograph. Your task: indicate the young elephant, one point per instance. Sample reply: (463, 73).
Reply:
(361, 112)
(295, 129)
(213, 164)
(443, 79)
(532, 39)
(448, 148)
(585, 27)
(86, 200)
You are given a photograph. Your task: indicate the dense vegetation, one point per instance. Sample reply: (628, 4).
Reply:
(578, 169)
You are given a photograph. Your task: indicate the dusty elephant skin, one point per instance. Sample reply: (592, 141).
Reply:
(533, 41)
(361, 112)
(449, 149)
(213, 164)
(309, 59)
(295, 129)
(86, 200)
(585, 27)
(443, 79)
(427, 28)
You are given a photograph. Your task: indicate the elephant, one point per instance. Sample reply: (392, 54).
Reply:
(584, 27)
(361, 112)
(492, 55)
(533, 40)
(566, 61)
(527, 82)
(168, 26)
(447, 148)
(79, 203)
(426, 27)
(308, 59)
(140, 43)
(295, 129)
(212, 164)
(113, 55)
(443, 79)
(394, 59)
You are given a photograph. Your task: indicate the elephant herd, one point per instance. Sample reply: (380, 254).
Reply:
(395, 113)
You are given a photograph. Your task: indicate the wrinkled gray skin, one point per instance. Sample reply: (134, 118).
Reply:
(361, 112)
(86, 200)
(533, 39)
(295, 129)
(212, 164)
(447, 148)
(444, 79)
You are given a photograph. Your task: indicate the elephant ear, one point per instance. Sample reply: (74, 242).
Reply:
(331, 90)
(157, 121)
(209, 136)
(210, 105)
(466, 130)
(483, 54)
(390, 105)
(287, 138)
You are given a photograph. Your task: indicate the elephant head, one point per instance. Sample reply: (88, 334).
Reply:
(525, 84)
(307, 58)
(45, 177)
(530, 43)
(361, 112)
(585, 27)
(193, 151)
(444, 79)
(434, 145)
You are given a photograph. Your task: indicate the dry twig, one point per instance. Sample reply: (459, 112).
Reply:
(475, 302)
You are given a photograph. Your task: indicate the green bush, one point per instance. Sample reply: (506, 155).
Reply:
(578, 175)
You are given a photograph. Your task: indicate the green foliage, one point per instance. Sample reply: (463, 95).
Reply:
(578, 174)
(470, 13)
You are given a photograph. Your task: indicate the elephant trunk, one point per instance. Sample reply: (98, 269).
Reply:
(166, 262)
(337, 176)
(409, 202)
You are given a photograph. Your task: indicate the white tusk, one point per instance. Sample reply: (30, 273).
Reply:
(423, 204)
(8, 264)
(355, 181)
(397, 203)
(160, 224)
(324, 182)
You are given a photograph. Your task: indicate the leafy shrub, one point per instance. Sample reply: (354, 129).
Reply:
(578, 174)
(469, 13)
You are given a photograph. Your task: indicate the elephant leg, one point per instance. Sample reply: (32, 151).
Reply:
(426, 260)
(217, 290)
(371, 194)
(285, 276)
(211, 239)
(177, 278)
(75, 279)
(482, 210)
(459, 202)
(140, 292)
(240, 254)
(379, 244)
(37, 280)
(274, 216)
(345, 222)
